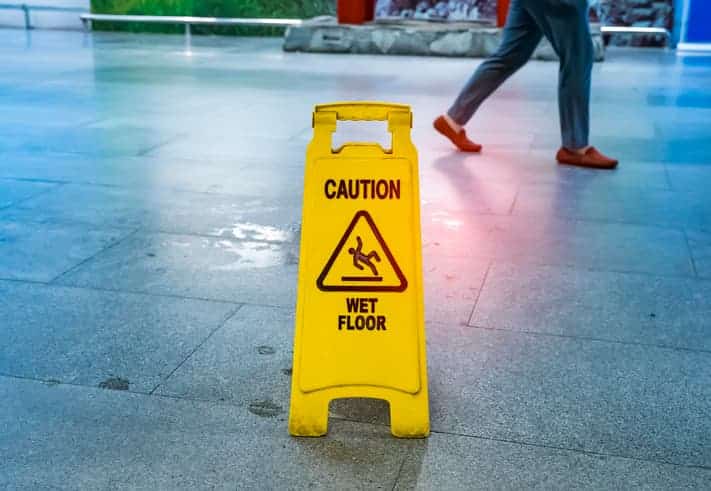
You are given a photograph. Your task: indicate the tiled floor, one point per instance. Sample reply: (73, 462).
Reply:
(149, 223)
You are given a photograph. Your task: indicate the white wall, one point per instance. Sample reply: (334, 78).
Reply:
(44, 20)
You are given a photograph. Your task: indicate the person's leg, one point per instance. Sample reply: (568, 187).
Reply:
(565, 24)
(519, 39)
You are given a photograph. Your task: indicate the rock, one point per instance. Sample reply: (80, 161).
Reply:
(296, 38)
(452, 44)
(485, 43)
(637, 15)
(384, 39)
(409, 38)
(412, 42)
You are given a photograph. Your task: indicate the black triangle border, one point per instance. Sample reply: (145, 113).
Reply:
(364, 288)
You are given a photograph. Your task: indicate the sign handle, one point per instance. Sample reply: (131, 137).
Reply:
(364, 110)
(398, 116)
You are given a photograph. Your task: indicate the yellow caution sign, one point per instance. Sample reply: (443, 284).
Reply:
(359, 316)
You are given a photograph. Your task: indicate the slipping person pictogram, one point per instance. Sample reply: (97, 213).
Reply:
(362, 246)
(360, 258)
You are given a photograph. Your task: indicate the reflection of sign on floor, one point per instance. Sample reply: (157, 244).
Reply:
(362, 261)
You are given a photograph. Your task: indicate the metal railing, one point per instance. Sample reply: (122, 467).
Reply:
(188, 21)
(29, 8)
(638, 30)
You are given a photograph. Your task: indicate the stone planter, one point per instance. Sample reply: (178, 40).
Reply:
(463, 39)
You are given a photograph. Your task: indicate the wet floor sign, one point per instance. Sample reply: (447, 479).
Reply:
(359, 319)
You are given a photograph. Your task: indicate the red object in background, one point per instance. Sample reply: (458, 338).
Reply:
(502, 10)
(355, 11)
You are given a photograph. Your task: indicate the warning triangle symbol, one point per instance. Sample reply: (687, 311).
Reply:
(362, 261)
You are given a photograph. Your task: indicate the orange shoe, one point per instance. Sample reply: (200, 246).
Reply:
(591, 158)
(460, 139)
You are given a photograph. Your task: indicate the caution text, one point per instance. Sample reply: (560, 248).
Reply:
(362, 188)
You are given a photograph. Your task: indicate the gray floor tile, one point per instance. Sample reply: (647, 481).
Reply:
(613, 306)
(59, 114)
(254, 176)
(255, 133)
(647, 207)
(642, 149)
(41, 252)
(289, 151)
(689, 177)
(133, 140)
(130, 441)
(609, 125)
(700, 245)
(452, 285)
(454, 462)
(246, 361)
(250, 360)
(464, 191)
(166, 210)
(59, 167)
(497, 164)
(618, 399)
(88, 337)
(549, 240)
(202, 267)
(12, 191)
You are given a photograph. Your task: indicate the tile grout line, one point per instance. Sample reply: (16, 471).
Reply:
(155, 231)
(54, 280)
(143, 293)
(537, 445)
(132, 187)
(515, 200)
(221, 237)
(25, 281)
(481, 288)
(596, 221)
(691, 253)
(668, 177)
(92, 121)
(509, 213)
(37, 180)
(575, 450)
(175, 189)
(295, 137)
(146, 151)
(585, 268)
(588, 338)
(220, 325)
(399, 471)
(13, 204)
(250, 160)
(51, 381)
(126, 292)
(351, 420)
(572, 219)
(286, 307)
(562, 218)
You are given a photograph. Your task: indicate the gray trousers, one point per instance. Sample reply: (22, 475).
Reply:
(565, 24)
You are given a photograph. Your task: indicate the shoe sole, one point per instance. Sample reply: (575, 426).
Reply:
(588, 166)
